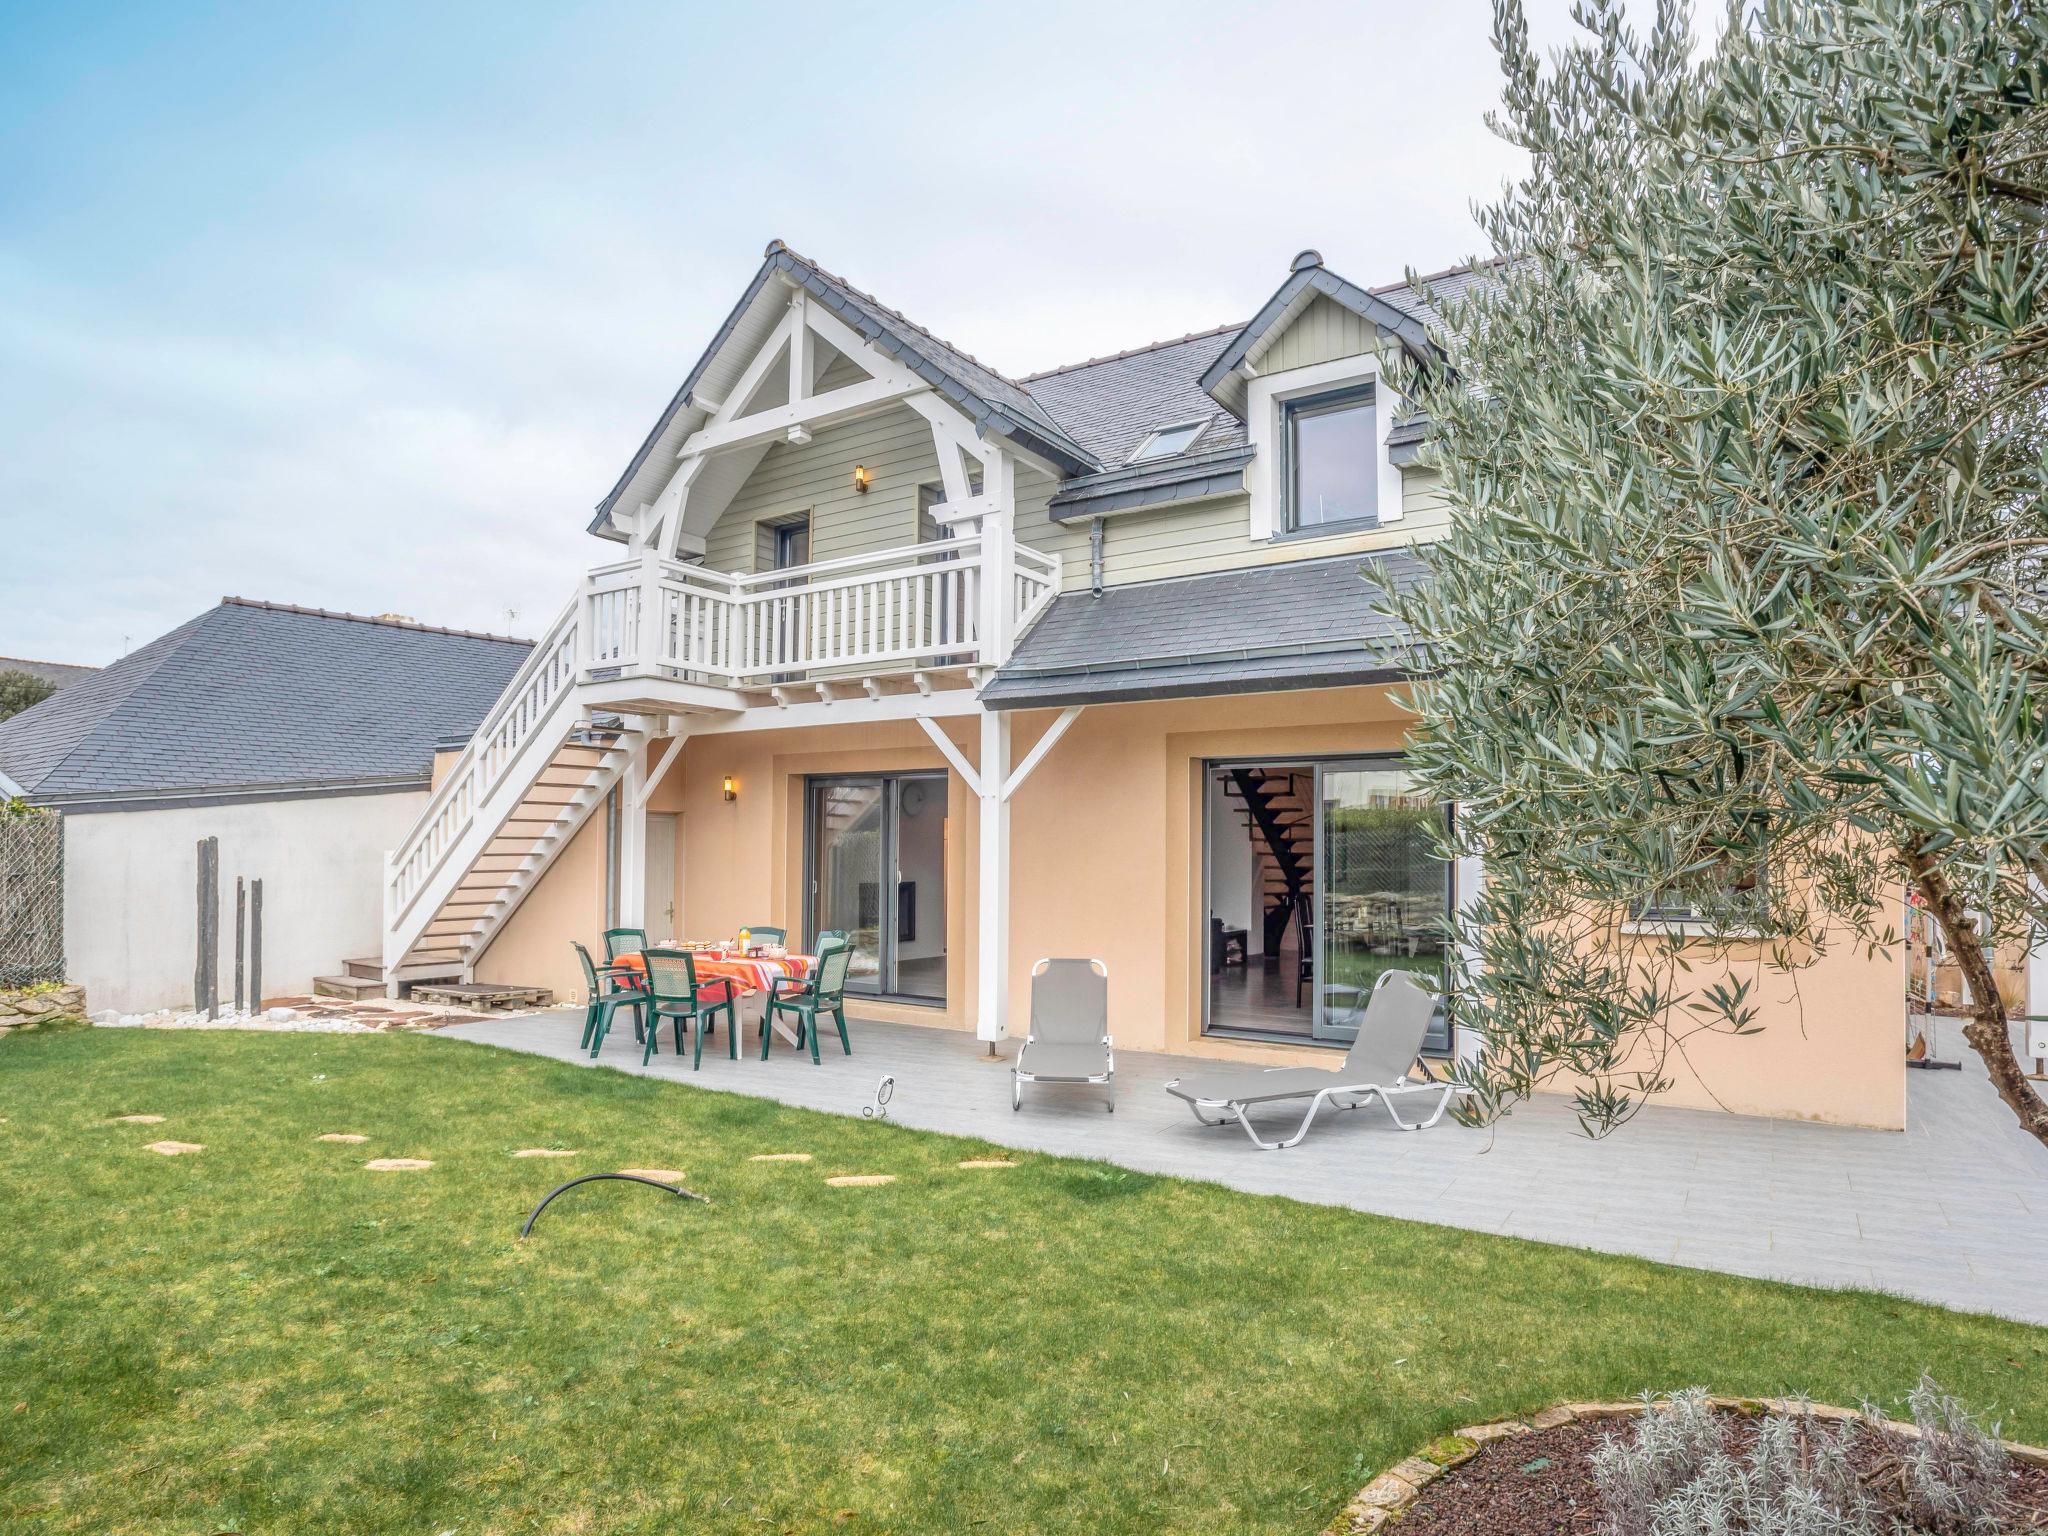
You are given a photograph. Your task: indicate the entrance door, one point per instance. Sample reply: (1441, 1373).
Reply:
(876, 856)
(1383, 896)
(660, 911)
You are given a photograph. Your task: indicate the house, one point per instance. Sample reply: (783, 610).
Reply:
(303, 740)
(58, 674)
(985, 669)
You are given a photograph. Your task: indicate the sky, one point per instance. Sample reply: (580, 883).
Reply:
(365, 307)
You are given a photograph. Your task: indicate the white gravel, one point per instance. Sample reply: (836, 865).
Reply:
(275, 1020)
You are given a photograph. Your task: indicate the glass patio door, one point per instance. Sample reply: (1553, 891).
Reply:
(876, 858)
(1383, 896)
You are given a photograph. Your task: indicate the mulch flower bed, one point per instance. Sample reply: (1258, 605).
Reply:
(1535, 1477)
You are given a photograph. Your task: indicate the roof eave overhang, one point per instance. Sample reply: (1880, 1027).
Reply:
(1202, 477)
(782, 264)
(152, 798)
(1139, 685)
(1225, 379)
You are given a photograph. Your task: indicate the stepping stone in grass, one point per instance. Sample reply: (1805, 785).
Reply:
(659, 1175)
(173, 1148)
(139, 1119)
(780, 1157)
(543, 1152)
(397, 1164)
(347, 1138)
(988, 1162)
(860, 1180)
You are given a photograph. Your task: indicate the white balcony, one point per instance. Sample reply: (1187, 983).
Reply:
(899, 610)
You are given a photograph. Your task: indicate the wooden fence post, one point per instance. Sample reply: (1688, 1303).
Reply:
(206, 973)
(255, 946)
(241, 924)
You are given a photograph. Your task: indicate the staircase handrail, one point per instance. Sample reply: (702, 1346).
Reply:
(463, 772)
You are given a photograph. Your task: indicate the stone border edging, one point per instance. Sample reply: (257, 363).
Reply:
(1387, 1497)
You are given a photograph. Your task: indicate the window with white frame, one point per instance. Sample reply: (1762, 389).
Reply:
(1165, 442)
(1332, 451)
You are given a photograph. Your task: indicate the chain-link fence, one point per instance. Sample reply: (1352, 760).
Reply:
(31, 897)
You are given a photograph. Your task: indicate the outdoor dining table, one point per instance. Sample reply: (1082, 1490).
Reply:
(743, 975)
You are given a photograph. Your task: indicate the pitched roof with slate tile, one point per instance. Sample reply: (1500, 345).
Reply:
(1302, 624)
(259, 697)
(61, 673)
(1110, 405)
(1088, 417)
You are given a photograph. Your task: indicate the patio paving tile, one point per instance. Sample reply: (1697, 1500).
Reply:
(1940, 1213)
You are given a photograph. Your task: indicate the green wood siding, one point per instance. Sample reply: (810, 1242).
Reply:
(1214, 536)
(1321, 333)
(818, 478)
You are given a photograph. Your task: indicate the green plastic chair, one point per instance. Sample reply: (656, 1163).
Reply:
(625, 991)
(825, 994)
(681, 998)
(623, 941)
(764, 934)
(797, 986)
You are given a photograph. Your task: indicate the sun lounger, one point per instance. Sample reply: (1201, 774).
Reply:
(1376, 1066)
(1069, 1040)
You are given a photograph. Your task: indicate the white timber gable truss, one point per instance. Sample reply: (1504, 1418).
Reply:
(657, 647)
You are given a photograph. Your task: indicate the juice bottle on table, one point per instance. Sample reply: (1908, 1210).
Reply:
(746, 935)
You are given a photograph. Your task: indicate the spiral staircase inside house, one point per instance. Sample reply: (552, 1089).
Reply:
(1277, 807)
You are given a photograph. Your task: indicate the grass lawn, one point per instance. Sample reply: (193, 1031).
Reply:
(265, 1337)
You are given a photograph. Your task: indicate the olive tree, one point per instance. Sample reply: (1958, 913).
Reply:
(1741, 609)
(19, 690)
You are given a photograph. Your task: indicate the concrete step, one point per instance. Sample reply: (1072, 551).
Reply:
(346, 986)
(370, 969)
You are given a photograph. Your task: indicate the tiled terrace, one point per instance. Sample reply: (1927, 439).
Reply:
(1953, 1211)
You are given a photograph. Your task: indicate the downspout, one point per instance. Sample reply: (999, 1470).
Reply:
(1095, 556)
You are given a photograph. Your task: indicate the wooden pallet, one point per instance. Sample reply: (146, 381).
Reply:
(481, 994)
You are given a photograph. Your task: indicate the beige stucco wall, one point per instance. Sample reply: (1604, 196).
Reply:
(1106, 861)
(1832, 1044)
(568, 903)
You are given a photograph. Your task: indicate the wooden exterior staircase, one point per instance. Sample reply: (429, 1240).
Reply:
(646, 641)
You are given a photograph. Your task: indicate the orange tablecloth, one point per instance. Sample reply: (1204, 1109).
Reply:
(743, 975)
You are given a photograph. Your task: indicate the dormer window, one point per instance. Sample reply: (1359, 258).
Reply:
(1332, 447)
(1165, 442)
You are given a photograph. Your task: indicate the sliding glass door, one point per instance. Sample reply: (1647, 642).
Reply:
(1383, 895)
(876, 864)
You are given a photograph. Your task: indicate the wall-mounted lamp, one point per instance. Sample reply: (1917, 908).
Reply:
(731, 787)
(862, 479)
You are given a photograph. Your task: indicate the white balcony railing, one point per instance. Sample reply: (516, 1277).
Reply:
(893, 610)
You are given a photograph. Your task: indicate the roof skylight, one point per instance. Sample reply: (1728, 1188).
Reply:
(1165, 442)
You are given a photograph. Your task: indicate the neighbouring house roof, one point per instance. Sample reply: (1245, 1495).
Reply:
(255, 698)
(1086, 417)
(1304, 624)
(61, 673)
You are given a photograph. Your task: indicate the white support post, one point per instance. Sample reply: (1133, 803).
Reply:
(992, 979)
(951, 753)
(633, 837)
(998, 564)
(802, 349)
(678, 734)
(1032, 758)
(647, 604)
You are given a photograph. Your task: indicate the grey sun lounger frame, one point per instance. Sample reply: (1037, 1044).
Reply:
(1376, 1067)
(1069, 1039)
